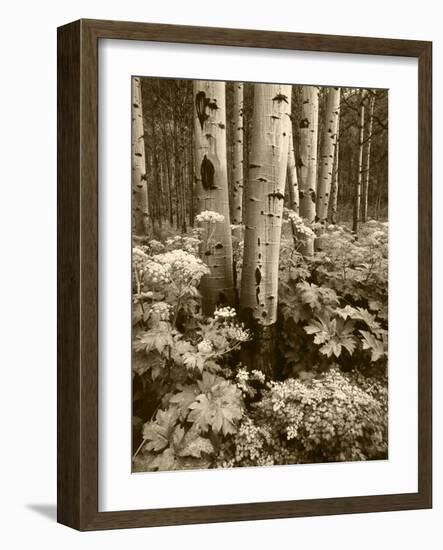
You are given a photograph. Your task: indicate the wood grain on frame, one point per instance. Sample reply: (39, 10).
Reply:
(77, 455)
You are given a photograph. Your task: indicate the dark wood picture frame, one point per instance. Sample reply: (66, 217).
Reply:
(77, 480)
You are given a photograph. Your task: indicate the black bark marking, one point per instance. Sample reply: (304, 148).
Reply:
(280, 98)
(312, 195)
(201, 102)
(222, 126)
(207, 171)
(304, 123)
(212, 104)
(257, 275)
(276, 195)
(218, 246)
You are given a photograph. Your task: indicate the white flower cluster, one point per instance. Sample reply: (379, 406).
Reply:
(162, 310)
(204, 346)
(139, 258)
(209, 216)
(188, 244)
(238, 333)
(258, 375)
(156, 247)
(182, 266)
(299, 224)
(241, 379)
(156, 273)
(223, 313)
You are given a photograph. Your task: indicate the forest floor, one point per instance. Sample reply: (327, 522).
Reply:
(196, 405)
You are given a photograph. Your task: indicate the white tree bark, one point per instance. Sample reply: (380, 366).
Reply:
(212, 191)
(139, 181)
(334, 184)
(237, 160)
(307, 161)
(264, 201)
(329, 140)
(357, 196)
(291, 177)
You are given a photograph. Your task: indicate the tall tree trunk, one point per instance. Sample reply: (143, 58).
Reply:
(307, 161)
(139, 180)
(328, 142)
(237, 160)
(263, 217)
(367, 167)
(335, 180)
(212, 190)
(291, 176)
(357, 196)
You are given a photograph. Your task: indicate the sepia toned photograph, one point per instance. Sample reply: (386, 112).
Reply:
(259, 274)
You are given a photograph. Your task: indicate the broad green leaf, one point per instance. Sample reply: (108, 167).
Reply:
(370, 342)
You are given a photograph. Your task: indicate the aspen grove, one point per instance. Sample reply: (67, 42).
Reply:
(259, 274)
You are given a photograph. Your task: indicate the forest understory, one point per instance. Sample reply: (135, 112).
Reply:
(260, 275)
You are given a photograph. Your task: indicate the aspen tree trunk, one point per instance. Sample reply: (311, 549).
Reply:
(307, 161)
(334, 184)
(357, 196)
(292, 184)
(291, 176)
(139, 183)
(328, 143)
(237, 160)
(263, 218)
(364, 210)
(212, 191)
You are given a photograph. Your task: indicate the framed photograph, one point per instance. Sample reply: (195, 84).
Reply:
(244, 219)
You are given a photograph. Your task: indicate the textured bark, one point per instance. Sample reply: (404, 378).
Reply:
(237, 160)
(334, 184)
(328, 142)
(367, 167)
(291, 176)
(357, 196)
(263, 218)
(139, 183)
(307, 161)
(212, 190)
